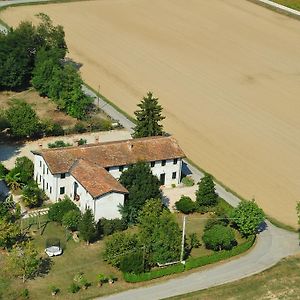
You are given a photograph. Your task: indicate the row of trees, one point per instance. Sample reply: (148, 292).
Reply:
(36, 55)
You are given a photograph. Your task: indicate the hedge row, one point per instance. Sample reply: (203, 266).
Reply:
(218, 256)
(190, 263)
(129, 277)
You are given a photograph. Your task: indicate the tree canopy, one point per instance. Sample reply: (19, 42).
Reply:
(148, 118)
(247, 216)
(87, 226)
(159, 234)
(206, 194)
(142, 185)
(22, 119)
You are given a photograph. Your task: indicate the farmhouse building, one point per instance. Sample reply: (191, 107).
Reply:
(89, 174)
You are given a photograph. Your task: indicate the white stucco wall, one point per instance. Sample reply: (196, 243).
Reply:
(157, 170)
(105, 206)
(48, 182)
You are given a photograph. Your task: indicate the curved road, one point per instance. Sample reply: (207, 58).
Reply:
(272, 244)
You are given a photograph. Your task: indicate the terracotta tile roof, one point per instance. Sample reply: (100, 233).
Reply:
(96, 180)
(110, 154)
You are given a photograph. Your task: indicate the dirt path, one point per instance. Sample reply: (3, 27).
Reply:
(227, 73)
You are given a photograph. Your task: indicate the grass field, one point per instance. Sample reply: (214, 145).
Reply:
(227, 74)
(280, 282)
(78, 257)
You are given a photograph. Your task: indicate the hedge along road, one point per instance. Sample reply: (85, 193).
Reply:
(272, 243)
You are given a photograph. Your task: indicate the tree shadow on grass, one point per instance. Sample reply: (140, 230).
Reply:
(45, 266)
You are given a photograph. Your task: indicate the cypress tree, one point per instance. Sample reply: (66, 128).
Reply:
(87, 226)
(206, 194)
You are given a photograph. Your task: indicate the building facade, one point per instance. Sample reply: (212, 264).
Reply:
(89, 174)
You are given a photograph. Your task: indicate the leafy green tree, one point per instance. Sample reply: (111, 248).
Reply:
(32, 195)
(107, 227)
(142, 185)
(185, 205)
(87, 226)
(148, 118)
(247, 216)
(66, 90)
(24, 166)
(46, 63)
(219, 237)
(71, 219)
(50, 36)
(23, 120)
(17, 51)
(159, 233)
(118, 245)
(206, 194)
(24, 261)
(58, 210)
(13, 180)
(9, 233)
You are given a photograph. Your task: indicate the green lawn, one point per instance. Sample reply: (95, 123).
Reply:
(280, 282)
(295, 4)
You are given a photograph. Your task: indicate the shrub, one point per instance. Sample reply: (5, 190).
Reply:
(74, 288)
(130, 277)
(71, 219)
(219, 237)
(59, 144)
(216, 221)
(82, 142)
(218, 256)
(32, 195)
(52, 129)
(194, 241)
(188, 181)
(58, 210)
(185, 205)
(132, 263)
(79, 128)
(24, 166)
(54, 289)
(102, 278)
(107, 227)
(99, 124)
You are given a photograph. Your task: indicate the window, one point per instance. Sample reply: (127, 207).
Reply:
(163, 162)
(152, 164)
(50, 189)
(40, 163)
(40, 178)
(36, 178)
(175, 161)
(47, 171)
(43, 169)
(121, 168)
(62, 190)
(63, 175)
(47, 186)
(174, 174)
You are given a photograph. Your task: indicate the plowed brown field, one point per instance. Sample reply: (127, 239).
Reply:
(227, 73)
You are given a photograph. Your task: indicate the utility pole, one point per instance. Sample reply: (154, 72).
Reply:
(182, 241)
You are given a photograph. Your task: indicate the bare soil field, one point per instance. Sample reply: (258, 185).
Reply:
(227, 73)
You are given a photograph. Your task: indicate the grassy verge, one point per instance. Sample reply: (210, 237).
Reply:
(279, 282)
(277, 9)
(294, 4)
(129, 117)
